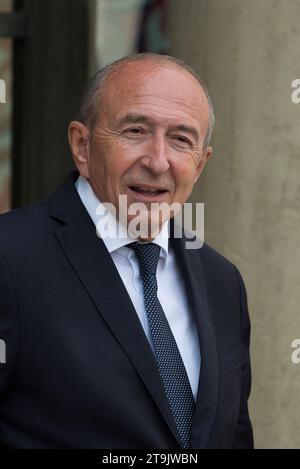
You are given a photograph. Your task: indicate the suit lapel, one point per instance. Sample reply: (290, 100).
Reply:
(91, 261)
(189, 261)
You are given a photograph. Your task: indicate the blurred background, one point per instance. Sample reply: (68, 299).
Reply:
(248, 54)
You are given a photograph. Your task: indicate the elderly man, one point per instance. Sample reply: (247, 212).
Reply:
(127, 340)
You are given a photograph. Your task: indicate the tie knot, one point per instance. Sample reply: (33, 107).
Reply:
(147, 255)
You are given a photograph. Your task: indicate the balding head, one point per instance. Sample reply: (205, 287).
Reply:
(95, 96)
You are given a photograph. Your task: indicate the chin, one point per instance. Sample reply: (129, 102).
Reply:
(143, 226)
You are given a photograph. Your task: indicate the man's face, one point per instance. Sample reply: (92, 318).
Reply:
(147, 143)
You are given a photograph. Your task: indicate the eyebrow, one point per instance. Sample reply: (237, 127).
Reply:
(133, 118)
(188, 129)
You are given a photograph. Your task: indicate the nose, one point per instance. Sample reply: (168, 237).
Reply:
(156, 158)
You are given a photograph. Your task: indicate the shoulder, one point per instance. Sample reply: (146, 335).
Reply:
(24, 216)
(215, 262)
(21, 227)
(222, 277)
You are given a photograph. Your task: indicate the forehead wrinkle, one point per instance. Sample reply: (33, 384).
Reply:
(135, 118)
(130, 77)
(181, 101)
(162, 110)
(189, 106)
(183, 106)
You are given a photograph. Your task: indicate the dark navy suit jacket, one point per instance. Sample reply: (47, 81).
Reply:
(79, 371)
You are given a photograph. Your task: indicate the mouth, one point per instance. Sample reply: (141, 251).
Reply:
(148, 192)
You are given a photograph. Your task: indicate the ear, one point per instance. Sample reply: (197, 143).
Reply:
(206, 154)
(79, 142)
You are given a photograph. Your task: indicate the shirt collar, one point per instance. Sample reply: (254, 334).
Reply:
(93, 206)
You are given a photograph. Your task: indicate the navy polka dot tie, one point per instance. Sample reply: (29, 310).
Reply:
(171, 367)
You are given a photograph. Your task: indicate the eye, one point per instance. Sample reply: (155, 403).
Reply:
(134, 131)
(182, 140)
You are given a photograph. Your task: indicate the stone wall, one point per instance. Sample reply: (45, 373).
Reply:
(248, 54)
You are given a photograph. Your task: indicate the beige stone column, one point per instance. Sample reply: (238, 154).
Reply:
(248, 53)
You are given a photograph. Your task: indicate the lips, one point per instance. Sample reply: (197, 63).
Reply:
(148, 190)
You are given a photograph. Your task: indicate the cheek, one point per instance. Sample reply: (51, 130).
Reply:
(123, 159)
(109, 165)
(185, 174)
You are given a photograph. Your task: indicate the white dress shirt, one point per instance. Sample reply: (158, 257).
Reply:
(171, 290)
